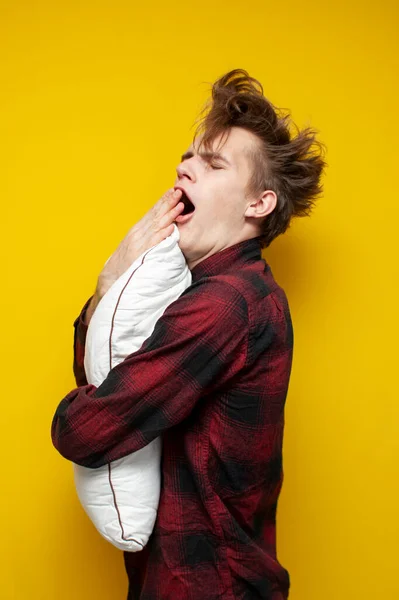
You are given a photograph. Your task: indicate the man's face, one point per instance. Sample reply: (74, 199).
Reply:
(216, 185)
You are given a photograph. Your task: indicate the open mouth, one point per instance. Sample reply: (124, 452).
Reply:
(188, 205)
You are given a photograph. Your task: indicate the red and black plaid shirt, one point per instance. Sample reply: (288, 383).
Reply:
(212, 380)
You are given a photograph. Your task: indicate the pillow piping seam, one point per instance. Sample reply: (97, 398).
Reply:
(110, 367)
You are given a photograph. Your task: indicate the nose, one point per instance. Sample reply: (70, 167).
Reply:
(185, 170)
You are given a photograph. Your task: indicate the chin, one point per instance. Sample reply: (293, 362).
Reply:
(183, 245)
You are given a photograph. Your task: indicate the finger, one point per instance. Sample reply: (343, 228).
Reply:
(175, 197)
(161, 235)
(168, 202)
(167, 195)
(171, 215)
(164, 203)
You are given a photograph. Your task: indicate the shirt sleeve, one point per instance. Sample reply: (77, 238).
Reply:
(79, 343)
(197, 346)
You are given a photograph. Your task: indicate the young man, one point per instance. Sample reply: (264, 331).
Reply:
(212, 378)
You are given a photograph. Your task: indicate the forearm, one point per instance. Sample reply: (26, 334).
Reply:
(81, 325)
(79, 342)
(192, 351)
(92, 307)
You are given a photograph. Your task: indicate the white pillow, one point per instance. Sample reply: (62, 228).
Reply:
(121, 498)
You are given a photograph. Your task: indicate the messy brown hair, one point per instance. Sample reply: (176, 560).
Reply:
(290, 165)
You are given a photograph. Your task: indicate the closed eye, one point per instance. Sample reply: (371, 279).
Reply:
(209, 158)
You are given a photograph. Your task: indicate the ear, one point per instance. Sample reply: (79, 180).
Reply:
(262, 206)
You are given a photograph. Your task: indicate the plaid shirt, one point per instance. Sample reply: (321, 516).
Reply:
(212, 379)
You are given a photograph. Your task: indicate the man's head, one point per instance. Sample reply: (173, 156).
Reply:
(245, 173)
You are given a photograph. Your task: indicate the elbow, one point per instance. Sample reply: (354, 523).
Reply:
(84, 459)
(70, 448)
(72, 431)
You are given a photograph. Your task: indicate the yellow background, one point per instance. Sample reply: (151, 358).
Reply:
(96, 106)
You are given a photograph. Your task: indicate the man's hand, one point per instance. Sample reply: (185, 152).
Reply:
(155, 226)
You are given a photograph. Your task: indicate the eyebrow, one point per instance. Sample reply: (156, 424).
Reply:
(208, 156)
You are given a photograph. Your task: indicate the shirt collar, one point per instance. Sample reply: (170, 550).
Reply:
(231, 257)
